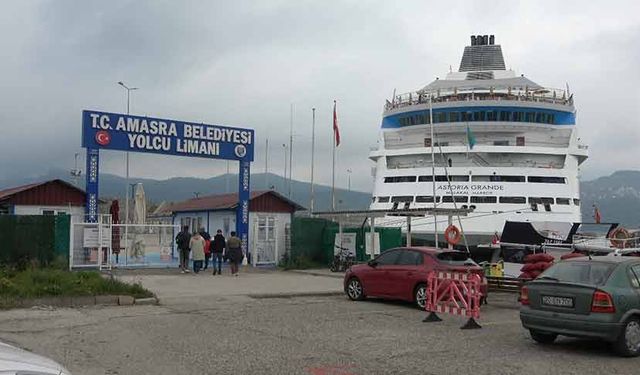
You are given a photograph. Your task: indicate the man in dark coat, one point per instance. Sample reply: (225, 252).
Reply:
(182, 240)
(217, 250)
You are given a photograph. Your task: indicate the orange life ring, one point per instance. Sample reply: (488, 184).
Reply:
(618, 237)
(452, 234)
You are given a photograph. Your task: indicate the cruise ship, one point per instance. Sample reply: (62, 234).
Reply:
(505, 148)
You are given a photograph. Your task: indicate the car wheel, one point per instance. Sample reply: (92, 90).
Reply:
(355, 291)
(543, 338)
(420, 296)
(628, 344)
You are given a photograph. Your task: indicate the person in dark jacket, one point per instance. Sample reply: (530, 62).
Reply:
(234, 251)
(207, 251)
(217, 250)
(182, 240)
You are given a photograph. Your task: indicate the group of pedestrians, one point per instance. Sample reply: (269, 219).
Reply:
(203, 248)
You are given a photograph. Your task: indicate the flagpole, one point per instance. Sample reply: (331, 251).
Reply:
(313, 147)
(333, 165)
(433, 174)
(290, 149)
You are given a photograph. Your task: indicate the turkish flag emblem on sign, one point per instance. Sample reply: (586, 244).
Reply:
(103, 138)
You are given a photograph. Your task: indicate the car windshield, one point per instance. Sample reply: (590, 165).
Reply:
(455, 258)
(592, 273)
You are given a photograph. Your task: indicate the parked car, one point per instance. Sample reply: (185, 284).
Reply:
(401, 273)
(17, 361)
(582, 297)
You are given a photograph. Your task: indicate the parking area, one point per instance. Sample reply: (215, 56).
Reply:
(226, 325)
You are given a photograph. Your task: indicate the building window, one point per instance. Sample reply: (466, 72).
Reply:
(383, 199)
(547, 179)
(456, 198)
(483, 199)
(426, 199)
(519, 200)
(563, 201)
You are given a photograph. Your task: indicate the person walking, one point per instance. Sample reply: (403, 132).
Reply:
(207, 247)
(217, 249)
(182, 241)
(234, 253)
(197, 247)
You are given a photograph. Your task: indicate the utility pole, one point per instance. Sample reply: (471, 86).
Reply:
(266, 165)
(290, 149)
(126, 202)
(313, 149)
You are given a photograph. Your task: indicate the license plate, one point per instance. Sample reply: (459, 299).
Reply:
(557, 301)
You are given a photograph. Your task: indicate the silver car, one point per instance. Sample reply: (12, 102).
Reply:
(14, 361)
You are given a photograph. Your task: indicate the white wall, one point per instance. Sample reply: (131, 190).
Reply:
(37, 210)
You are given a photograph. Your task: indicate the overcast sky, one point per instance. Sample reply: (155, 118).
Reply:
(244, 63)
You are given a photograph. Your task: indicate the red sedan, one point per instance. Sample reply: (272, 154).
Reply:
(401, 273)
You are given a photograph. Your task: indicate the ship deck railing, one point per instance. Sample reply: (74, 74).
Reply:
(547, 95)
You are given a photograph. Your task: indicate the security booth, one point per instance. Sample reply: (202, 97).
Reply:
(103, 131)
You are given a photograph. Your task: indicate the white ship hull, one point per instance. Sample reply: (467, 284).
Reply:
(504, 148)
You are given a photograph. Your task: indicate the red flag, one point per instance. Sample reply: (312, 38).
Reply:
(336, 131)
(596, 215)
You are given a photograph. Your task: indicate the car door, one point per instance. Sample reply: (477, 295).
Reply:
(377, 282)
(407, 273)
(634, 277)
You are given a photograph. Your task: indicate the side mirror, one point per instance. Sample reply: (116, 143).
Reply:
(372, 263)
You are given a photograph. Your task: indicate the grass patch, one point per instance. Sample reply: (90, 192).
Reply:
(51, 282)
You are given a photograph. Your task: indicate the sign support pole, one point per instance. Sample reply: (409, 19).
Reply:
(242, 211)
(93, 168)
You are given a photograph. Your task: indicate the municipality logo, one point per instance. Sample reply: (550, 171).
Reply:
(240, 151)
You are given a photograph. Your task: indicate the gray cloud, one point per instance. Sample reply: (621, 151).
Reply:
(244, 63)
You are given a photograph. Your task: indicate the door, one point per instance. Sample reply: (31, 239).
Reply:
(407, 273)
(376, 280)
(266, 240)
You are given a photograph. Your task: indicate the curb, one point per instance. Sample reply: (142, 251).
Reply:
(336, 275)
(296, 294)
(82, 301)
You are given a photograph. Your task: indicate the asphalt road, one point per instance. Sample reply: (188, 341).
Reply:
(239, 334)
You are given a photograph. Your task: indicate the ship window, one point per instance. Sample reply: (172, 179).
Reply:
(427, 142)
(373, 199)
(510, 178)
(478, 116)
(518, 116)
(441, 117)
(426, 199)
(552, 119)
(442, 178)
(492, 116)
(563, 201)
(540, 200)
(483, 199)
(442, 144)
(576, 201)
(547, 179)
(383, 199)
(513, 200)
(402, 198)
(519, 141)
(454, 117)
(531, 117)
(457, 198)
(505, 116)
(466, 116)
(501, 143)
(396, 179)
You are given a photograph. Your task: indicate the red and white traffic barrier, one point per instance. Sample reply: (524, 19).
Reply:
(456, 293)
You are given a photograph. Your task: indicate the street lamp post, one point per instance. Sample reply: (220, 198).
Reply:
(349, 171)
(126, 193)
(284, 187)
(126, 202)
